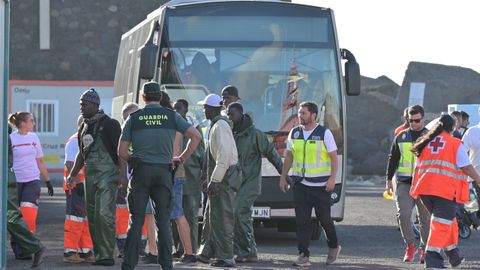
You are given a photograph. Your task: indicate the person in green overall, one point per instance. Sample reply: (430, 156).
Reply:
(16, 226)
(151, 133)
(98, 141)
(224, 179)
(252, 145)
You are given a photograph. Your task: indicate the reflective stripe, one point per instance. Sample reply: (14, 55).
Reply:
(442, 220)
(67, 250)
(434, 249)
(74, 218)
(121, 206)
(451, 247)
(84, 250)
(121, 236)
(444, 172)
(28, 204)
(439, 163)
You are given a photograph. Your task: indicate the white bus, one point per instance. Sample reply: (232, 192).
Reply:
(276, 53)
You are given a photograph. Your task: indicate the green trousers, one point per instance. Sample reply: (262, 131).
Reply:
(217, 234)
(16, 226)
(101, 182)
(244, 238)
(155, 182)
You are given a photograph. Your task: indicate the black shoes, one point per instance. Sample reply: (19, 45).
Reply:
(222, 263)
(38, 257)
(188, 259)
(150, 259)
(106, 262)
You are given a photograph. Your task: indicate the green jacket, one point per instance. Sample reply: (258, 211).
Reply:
(193, 166)
(252, 144)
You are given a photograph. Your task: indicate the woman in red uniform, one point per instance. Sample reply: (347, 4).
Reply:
(440, 182)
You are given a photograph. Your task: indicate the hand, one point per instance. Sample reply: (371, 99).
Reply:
(330, 184)
(389, 186)
(49, 187)
(283, 185)
(176, 161)
(70, 182)
(214, 188)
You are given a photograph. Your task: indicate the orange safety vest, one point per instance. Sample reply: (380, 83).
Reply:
(80, 174)
(437, 171)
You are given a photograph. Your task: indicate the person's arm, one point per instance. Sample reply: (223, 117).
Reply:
(472, 173)
(43, 169)
(221, 139)
(77, 166)
(392, 165)
(195, 137)
(334, 167)
(122, 151)
(267, 149)
(287, 164)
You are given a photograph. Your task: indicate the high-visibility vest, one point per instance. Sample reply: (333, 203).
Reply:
(311, 160)
(407, 160)
(81, 174)
(438, 173)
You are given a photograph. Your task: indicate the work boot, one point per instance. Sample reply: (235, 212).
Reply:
(88, 257)
(38, 257)
(333, 254)
(422, 256)
(410, 253)
(72, 258)
(302, 261)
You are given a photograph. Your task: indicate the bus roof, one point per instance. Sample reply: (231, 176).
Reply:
(176, 3)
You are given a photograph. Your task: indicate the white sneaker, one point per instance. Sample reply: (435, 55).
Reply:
(333, 254)
(302, 261)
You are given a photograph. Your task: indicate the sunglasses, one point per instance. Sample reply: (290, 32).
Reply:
(414, 120)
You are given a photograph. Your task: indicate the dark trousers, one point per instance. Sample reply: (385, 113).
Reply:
(306, 198)
(154, 181)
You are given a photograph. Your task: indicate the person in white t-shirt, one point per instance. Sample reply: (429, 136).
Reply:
(311, 154)
(28, 165)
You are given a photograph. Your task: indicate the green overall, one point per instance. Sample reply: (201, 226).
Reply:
(101, 181)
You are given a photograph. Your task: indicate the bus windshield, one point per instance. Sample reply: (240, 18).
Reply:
(276, 60)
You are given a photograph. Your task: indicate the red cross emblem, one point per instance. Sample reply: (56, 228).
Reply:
(437, 144)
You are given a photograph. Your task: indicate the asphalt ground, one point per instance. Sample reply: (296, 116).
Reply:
(369, 237)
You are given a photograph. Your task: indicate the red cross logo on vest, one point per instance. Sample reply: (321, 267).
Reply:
(437, 144)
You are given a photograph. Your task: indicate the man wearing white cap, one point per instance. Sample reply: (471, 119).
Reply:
(224, 180)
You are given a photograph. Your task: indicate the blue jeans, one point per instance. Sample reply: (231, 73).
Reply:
(177, 208)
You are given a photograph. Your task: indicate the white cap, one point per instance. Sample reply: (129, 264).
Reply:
(212, 100)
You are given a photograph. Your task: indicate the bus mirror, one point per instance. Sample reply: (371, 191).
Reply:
(352, 73)
(148, 56)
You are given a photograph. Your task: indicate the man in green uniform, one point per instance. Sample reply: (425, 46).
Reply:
(20, 233)
(151, 133)
(252, 144)
(98, 141)
(192, 193)
(224, 179)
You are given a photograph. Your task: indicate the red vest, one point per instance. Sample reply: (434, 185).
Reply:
(80, 174)
(437, 171)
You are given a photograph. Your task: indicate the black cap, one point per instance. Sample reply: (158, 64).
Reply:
(230, 90)
(91, 95)
(150, 88)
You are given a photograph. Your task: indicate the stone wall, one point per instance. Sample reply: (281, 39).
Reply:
(84, 38)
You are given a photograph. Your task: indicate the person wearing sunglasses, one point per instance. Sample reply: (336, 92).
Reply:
(401, 164)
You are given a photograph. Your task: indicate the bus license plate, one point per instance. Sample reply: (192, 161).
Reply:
(261, 212)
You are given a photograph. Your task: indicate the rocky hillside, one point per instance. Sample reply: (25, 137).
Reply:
(374, 114)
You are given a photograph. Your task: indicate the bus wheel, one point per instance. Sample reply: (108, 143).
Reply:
(316, 230)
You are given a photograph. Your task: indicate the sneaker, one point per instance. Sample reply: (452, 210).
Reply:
(177, 255)
(38, 257)
(333, 254)
(223, 263)
(410, 253)
(189, 259)
(90, 258)
(203, 259)
(150, 259)
(302, 261)
(72, 258)
(422, 256)
(253, 259)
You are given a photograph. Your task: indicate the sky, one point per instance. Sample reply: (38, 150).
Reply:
(385, 35)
